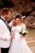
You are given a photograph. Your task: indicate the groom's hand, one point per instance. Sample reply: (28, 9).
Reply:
(12, 35)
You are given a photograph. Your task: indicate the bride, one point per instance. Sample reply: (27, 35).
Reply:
(18, 44)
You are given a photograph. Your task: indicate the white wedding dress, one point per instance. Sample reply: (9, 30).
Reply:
(18, 44)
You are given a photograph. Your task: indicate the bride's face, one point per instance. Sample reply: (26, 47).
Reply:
(18, 21)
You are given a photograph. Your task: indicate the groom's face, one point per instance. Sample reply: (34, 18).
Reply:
(9, 15)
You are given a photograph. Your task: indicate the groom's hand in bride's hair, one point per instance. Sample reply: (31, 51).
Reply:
(12, 35)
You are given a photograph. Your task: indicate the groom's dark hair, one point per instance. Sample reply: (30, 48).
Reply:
(5, 11)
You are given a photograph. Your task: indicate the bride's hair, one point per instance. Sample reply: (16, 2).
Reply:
(19, 16)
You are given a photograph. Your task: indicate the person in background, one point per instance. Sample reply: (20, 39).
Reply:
(5, 30)
(18, 44)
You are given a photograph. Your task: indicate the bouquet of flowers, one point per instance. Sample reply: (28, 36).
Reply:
(23, 32)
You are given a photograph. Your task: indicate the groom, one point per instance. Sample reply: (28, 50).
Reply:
(6, 13)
